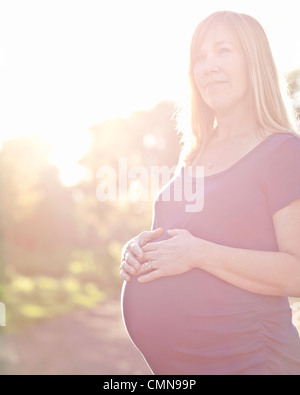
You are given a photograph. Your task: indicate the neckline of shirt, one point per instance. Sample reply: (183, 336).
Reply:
(235, 164)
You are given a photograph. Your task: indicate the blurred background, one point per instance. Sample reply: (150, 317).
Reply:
(83, 84)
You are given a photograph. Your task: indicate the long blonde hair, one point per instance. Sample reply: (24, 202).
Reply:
(267, 101)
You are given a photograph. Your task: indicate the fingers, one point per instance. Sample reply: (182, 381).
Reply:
(154, 275)
(124, 276)
(133, 255)
(132, 259)
(150, 247)
(136, 249)
(175, 232)
(151, 256)
(129, 266)
(136, 245)
(143, 269)
(147, 236)
(126, 270)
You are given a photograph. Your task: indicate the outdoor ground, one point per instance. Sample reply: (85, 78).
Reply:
(91, 342)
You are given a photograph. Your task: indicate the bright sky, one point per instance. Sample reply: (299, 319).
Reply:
(68, 64)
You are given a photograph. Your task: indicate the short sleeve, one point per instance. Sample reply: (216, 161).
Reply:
(283, 174)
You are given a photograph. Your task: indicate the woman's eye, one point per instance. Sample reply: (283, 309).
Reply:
(224, 50)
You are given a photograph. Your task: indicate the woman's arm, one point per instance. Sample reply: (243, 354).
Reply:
(265, 273)
(262, 272)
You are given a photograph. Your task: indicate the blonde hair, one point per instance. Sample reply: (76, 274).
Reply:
(267, 102)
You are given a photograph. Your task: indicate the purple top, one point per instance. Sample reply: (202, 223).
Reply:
(198, 324)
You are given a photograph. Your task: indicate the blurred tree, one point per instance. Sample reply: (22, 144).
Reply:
(146, 139)
(37, 213)
(49, 230)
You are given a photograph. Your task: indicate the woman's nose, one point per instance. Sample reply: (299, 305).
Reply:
(210, 64)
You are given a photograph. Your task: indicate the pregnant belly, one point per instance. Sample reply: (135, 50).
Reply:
(197, 324)
(193, 310)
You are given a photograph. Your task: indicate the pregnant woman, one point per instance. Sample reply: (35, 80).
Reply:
(206, 291)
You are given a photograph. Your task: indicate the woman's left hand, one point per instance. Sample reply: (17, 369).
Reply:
(171, 257)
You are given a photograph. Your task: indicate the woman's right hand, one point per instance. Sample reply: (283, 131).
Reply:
(133, 254)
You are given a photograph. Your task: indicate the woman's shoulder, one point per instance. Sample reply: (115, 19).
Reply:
(278, 153)
(280, 135)
(282, 152)
(280, 141)
(281, 173)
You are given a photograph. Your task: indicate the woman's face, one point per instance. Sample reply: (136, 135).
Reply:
(220, 71)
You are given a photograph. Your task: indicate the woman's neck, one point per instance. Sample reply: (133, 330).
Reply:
(239, 124)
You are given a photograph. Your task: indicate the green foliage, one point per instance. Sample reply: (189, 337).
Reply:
(59, 246)
(33, 299)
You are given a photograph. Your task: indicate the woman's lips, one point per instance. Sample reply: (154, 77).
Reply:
(215, 83)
